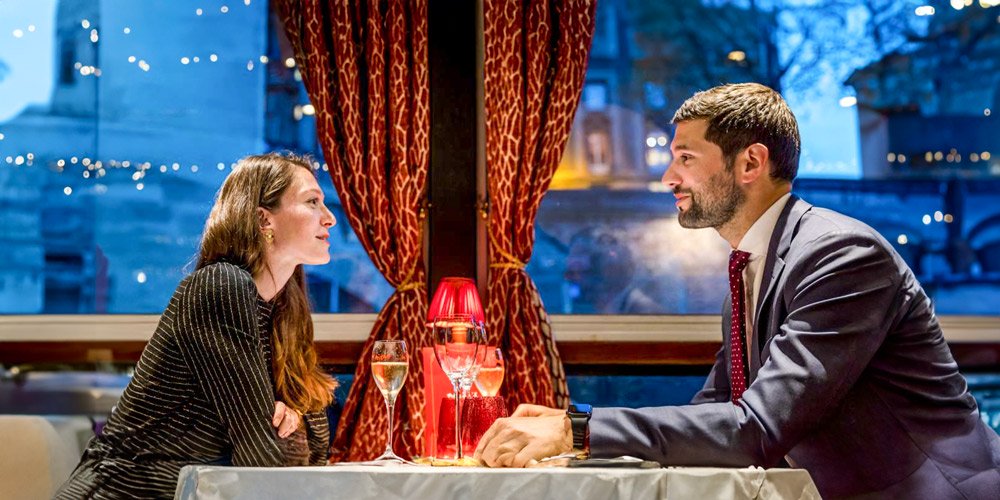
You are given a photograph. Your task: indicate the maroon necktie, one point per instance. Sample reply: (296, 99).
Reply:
(738, 261)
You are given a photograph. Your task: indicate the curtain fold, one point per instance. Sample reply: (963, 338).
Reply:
(535, 62)
(364, 65)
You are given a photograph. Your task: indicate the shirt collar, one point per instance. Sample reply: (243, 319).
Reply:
(758, 237)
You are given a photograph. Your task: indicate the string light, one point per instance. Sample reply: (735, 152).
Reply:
(67, 190)
(290, 62)
(131, 59)
(85, 23)
(18, 33)
(127, 30)
(224, 9)
(198, 12)
(31, 28)
(213, 58)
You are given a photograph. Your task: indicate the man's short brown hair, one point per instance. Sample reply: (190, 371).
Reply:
(742, 114)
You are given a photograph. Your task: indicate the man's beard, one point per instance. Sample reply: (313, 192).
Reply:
(715, 205)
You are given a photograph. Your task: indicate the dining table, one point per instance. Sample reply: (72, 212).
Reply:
(424, 482)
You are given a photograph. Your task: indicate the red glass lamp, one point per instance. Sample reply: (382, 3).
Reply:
(456, 296)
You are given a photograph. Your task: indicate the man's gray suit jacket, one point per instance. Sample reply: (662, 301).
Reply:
(851, 379)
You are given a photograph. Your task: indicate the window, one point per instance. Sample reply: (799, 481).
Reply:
(118, 124)
(896, 111)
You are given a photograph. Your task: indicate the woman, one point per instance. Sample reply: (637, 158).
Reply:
(230, 377)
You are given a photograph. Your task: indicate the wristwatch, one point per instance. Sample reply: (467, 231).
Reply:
(579, 420)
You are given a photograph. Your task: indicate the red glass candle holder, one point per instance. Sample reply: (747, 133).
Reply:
(478, 413)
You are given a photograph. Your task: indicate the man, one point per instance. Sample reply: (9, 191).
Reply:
(832, 356)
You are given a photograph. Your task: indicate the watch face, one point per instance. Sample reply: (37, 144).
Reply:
(581, 408)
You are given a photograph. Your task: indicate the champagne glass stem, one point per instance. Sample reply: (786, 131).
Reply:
(458, 419)
(390, 404)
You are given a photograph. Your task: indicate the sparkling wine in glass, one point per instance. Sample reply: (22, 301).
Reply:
(457, 339)
(490, 376)
(470, 376)
(389, 366)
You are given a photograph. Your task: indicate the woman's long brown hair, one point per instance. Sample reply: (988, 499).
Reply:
(232, 234)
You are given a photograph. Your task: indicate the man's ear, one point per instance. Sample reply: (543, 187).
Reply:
(263, 217)
(753, 163)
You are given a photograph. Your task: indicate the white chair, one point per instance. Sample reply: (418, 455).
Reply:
(34, 460)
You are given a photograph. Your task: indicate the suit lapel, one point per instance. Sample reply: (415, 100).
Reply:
(777, 248)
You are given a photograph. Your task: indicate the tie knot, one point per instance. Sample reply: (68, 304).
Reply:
(738, 261)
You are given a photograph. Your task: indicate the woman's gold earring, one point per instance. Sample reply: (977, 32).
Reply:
(269, 236)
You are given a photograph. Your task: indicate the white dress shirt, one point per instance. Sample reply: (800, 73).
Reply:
(755, 242)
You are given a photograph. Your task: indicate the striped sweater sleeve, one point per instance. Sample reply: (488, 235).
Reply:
(319, 437)
(218, 338)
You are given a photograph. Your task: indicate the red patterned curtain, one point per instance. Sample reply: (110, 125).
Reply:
(364, 64)
(535, 60)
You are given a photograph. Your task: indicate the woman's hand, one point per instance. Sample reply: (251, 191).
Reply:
(285, 419)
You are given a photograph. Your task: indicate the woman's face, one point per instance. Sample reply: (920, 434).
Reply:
(301, 223)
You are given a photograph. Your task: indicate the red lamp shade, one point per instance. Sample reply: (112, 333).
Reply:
(456, 296)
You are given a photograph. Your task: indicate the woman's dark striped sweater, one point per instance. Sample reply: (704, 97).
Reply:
(202, 394)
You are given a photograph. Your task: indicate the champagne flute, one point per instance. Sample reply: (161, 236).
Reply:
(490, 375)
(389, 366)
(470, 377)
(456, 341)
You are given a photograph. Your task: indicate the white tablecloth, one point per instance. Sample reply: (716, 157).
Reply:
(427, 483)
